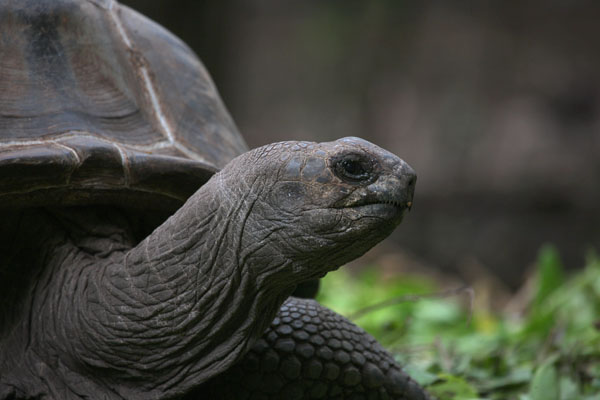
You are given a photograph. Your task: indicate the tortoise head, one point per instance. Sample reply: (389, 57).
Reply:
(320, 205)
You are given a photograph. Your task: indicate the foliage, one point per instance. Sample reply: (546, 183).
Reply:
(548, 349)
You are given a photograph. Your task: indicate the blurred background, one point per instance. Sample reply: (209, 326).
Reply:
(496, 104)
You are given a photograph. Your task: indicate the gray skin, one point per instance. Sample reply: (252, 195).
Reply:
(107, 316)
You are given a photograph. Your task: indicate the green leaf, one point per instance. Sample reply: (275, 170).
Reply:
(545, 384)
(550, 274)
(569, 389)
(519, 376)
(549, 279)
(453, 388)
(420, 375)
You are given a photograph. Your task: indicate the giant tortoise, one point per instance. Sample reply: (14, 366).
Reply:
(146, 253)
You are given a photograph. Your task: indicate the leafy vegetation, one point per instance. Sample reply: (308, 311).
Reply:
(544, 346)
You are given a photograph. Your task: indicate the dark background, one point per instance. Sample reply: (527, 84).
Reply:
(495, 103)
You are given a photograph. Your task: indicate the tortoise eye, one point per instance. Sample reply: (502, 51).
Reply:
(353, 168)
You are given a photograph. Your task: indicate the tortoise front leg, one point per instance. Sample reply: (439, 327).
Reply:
(310, 352)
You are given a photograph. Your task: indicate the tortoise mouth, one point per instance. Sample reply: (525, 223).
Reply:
(383, 195)
(394, 206)
(377, 218)
(384, 201)
(383, 210)
(381, 205)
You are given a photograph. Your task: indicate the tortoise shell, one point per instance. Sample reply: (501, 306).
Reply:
(100, 105)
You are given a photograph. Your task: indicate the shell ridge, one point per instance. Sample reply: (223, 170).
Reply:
(104, 4)
(125, 163)
(70, 149)
(75, 154)
(140, 64)
(79, 134)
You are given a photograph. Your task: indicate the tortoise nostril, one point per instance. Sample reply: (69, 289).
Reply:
(412, 181)
(410, 187)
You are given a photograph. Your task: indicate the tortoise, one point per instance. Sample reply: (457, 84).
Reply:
(146, 252)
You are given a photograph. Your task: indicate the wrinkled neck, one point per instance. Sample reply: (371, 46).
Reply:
(185, 298)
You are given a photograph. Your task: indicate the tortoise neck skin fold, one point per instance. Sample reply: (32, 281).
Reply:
(174, 300)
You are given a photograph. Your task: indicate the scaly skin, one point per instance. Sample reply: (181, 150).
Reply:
(96, 314)
(310, 352)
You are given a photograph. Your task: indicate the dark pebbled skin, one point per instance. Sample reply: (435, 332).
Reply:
(310, 352)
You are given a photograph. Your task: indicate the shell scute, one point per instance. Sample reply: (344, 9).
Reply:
(109, 102)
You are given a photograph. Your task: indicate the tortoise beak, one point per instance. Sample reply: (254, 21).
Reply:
(397, 188)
